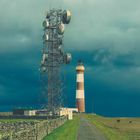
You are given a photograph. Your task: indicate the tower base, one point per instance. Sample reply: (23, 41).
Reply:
(80, 103)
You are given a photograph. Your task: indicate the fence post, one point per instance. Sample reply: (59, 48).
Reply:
(11, 135)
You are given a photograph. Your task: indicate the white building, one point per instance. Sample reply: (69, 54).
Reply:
(29, 112)
(68, 112)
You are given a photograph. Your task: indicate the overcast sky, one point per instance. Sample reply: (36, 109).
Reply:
(103, 33)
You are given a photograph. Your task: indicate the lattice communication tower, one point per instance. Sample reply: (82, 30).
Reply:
(53, 57)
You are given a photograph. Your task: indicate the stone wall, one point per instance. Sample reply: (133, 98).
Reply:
(36, 130)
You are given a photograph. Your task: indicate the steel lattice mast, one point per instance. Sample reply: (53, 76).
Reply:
(53, 57)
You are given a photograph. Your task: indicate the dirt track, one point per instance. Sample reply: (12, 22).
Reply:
(88, 131)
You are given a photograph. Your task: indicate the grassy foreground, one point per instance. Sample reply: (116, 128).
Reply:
(68, 131)
(112, 128)
(117, 128)
(110, 132)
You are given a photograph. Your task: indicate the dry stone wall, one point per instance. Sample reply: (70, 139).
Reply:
(32, 130)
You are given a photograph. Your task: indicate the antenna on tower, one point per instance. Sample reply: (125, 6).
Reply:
(53, 57)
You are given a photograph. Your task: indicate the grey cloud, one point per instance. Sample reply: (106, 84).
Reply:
(103, 33)
(104, 57)
(110, 21)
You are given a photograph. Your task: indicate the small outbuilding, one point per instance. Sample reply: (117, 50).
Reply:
(29, 112)
(68, 112)
(24, 112)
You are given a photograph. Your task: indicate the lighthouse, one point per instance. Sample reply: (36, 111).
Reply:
(80, 95)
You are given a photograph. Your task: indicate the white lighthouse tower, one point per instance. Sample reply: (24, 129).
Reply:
(80, 95)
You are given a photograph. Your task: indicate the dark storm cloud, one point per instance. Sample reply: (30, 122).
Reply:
(107, 21)
(103, 33)
(104, 57)
(19, 78)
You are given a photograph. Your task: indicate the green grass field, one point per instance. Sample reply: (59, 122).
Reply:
(117, 128)
(112, 128)
(68, 131)
(110, 132)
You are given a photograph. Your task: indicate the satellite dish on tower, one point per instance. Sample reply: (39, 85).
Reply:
(45, 37)
(45, 24)
(68, 58)
(66, 17)
(61, 28)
